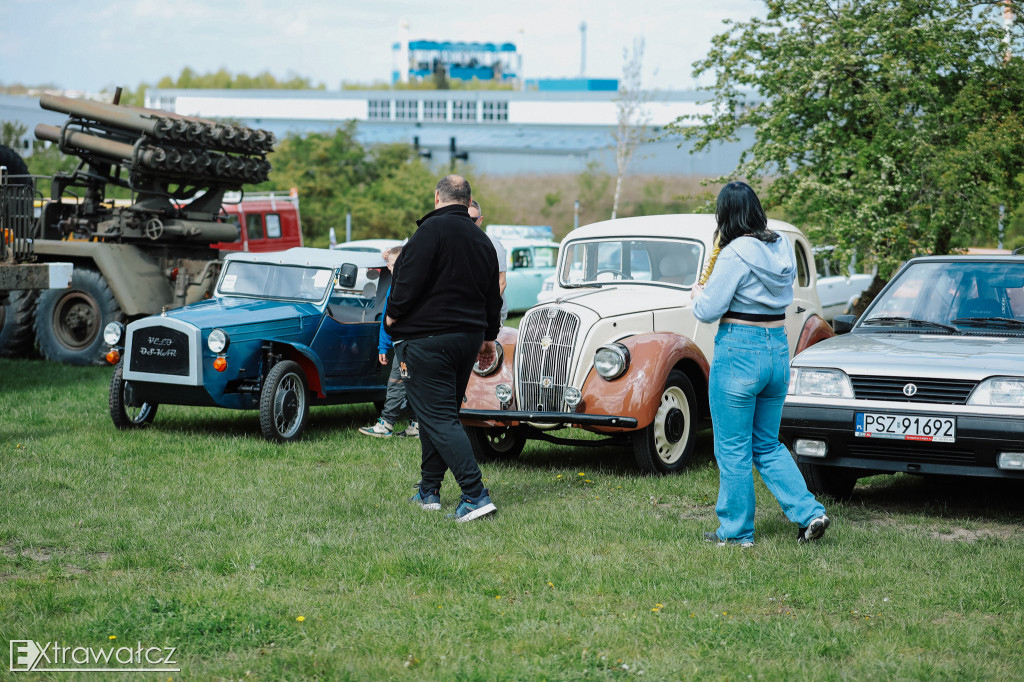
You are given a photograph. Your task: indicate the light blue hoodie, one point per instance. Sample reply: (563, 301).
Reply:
(750, 276)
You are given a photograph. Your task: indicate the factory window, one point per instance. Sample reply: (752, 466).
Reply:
(434, 110)
(463, 110)
(167, 103)
(405, 109)
(495, 111)
(380, 109)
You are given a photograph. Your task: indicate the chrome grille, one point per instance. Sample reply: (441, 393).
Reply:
(547, 337)
(941, 391)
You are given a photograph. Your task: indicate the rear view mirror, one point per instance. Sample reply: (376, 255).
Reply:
(347, 277)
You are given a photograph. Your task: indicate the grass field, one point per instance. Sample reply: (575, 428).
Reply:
(259, 561)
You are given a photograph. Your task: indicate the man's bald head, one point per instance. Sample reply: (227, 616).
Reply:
(453, 189)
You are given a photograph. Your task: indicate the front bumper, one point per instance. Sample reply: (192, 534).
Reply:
(979, 440)
(514, 417)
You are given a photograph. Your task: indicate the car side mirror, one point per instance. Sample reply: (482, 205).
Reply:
(347, 276)
(842, 324)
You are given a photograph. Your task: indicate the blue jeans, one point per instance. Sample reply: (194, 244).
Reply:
(748, 384)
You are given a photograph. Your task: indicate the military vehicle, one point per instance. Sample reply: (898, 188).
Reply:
(138, 257)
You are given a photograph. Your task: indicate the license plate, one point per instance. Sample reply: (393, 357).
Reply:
(905, 427)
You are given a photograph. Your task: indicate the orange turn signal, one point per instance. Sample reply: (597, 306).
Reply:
(113, 356)
(220, 364)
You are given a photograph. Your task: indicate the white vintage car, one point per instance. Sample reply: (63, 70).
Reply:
(618, 350)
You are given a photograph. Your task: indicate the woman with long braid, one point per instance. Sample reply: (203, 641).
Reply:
(749, 287)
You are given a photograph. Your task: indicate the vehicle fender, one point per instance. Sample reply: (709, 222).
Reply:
(134, 277)
(815, 329)
(637, 393)
(308, 360)
(480, 390)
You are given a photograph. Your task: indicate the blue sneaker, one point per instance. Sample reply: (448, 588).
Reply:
(470, 509)
(430, 500)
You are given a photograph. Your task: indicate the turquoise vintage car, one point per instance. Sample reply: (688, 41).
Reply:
(529, 262)
(284, 331)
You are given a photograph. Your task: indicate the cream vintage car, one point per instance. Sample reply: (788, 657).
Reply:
(617, 351)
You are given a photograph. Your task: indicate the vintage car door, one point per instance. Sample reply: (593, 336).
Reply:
(805, 296)
(346, 342)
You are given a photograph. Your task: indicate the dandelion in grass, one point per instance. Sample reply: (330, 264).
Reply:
(551, 584)
(112, 637)
(497, 596)
(558, 476)
(582, 474)
(300, 618)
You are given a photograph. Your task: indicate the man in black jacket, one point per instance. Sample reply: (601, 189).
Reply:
(443, 315)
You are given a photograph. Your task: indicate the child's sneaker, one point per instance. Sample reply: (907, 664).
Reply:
(430, 500)
(412, 430)
(470, 508)
(381, 429)
(814, 530)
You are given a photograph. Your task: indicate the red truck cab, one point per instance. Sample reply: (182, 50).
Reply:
(267, 222)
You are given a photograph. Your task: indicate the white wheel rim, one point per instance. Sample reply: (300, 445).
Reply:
(672, 399)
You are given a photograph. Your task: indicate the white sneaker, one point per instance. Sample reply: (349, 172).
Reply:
(381, 429)
(412, 430)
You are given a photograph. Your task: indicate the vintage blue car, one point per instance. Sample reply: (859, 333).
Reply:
(284, 331)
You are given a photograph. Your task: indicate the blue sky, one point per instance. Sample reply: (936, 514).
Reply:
(102, 43)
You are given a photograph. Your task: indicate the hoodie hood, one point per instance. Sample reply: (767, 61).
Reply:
(771, 263)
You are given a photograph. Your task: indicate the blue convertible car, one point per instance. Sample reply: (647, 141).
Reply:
(284, 331)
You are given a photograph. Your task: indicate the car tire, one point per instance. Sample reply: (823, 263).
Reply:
(284, 403)
(835, 482)
(17, 318)
(495, 444)
(665, 445)
(122, 413)
(69, 322)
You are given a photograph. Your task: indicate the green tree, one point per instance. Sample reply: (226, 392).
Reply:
(386, 188)
(892, 128)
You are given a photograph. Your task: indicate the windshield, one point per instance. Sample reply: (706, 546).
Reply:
(267, 280)
(662, 261)
(965, 296)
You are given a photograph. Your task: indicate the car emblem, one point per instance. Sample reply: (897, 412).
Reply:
(545, 342)
(552, 313)
(546, 382)
(910, 390)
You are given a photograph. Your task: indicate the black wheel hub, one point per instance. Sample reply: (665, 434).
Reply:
(675, 424)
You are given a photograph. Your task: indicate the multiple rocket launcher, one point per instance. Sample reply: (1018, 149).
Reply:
(160, 145)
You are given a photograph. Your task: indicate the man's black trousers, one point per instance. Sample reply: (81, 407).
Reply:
(437, 370)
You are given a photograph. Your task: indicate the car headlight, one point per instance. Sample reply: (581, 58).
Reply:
(218, 341)
(112, 333)
(611, 361)
(999, 392)
(826, 383)
(499, 355)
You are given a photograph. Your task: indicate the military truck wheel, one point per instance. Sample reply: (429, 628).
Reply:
(124, 413)
(284, 403)
(70, 322)
(665, 445)
(17, 316)
(495, 444)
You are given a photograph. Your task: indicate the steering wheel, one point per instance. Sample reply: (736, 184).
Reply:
(613, 271)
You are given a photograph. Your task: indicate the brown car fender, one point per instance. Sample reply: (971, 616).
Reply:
(815, 329)
(637, 393)
(480, 390)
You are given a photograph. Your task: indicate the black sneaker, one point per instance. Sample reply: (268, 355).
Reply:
(814, 530)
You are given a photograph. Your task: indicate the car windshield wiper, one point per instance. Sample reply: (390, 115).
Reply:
(994, 321)
(895, 319)
(581, 285)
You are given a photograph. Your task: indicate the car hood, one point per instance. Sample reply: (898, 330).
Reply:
(612, 300)
(232, 312)
(955, 357)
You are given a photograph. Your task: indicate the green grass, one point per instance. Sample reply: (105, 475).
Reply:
(198, 534)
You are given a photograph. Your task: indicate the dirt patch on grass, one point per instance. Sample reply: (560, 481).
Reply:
(966, 535)
(33, 553)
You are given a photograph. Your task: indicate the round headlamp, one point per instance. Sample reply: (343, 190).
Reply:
(503, 392)
(112, 333)
(218, 341)
(611, 361)
(499, 354)
(572, 396)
